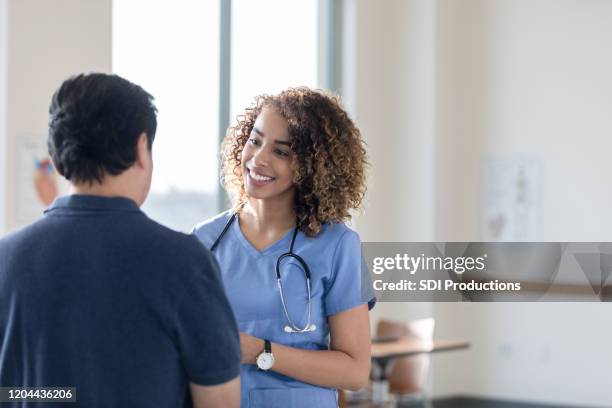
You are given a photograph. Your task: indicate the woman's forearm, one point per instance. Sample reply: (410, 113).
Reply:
(327, 368)
(345, 366)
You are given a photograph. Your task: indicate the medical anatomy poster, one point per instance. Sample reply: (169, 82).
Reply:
(511, 199)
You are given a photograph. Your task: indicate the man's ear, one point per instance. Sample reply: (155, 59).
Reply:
(142, 151)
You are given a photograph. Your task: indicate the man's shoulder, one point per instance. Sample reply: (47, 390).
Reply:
(137, 235)
(23, 234)
(185, 247)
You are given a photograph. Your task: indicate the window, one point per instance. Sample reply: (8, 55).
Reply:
(173, 50)
(274, 46)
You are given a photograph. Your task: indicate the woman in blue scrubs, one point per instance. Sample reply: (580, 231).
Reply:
(294, 165)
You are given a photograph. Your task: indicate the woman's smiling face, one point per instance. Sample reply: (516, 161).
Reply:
(267, 157)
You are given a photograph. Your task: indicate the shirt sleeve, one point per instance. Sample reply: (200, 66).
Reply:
(350, 284)
(208, 340)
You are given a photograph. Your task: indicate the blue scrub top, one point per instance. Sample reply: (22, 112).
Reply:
(339, 281)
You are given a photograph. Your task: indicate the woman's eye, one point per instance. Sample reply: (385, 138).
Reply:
(282, 153)
(254, 141)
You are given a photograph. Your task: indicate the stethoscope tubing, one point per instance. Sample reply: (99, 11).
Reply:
(292, 327)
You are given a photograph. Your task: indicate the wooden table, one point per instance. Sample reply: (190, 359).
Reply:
(410, 346)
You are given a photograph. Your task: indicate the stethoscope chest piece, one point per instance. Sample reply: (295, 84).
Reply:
(310, 328)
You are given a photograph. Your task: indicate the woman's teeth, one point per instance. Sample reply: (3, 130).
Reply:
(259, 177)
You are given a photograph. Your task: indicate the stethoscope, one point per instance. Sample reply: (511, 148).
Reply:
(291, 327)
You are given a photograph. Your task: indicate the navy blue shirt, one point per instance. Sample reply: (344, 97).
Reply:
(97, 296)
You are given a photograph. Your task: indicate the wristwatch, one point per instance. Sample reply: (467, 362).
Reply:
(265, 360)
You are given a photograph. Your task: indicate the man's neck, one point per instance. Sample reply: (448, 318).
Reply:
(110, 187)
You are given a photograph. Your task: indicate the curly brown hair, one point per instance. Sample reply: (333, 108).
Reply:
(329, 163)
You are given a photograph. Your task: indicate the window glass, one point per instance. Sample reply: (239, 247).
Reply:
(274, 46)
(171, 48)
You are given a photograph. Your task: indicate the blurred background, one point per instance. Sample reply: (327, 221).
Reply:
(484, 119)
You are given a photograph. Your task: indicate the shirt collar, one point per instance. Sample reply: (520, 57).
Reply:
(93, 202)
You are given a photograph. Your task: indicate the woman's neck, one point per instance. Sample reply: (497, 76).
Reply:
(269, 215)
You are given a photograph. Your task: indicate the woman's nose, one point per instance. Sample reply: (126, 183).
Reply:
(260, 158)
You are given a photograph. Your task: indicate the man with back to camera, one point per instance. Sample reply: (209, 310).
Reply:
(97, 296)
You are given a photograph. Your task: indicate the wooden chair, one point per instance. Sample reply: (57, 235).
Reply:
(408, 375)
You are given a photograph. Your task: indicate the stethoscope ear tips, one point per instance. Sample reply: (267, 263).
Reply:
(311, 328)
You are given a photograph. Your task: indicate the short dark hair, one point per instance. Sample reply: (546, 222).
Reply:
(94, 124)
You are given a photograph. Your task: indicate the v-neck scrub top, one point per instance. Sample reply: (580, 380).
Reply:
(339, 281)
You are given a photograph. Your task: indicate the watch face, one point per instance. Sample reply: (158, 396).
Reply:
(265, 361)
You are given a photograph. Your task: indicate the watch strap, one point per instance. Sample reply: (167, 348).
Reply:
(267, 346)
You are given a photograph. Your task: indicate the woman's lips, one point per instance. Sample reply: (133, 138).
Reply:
(258, 180)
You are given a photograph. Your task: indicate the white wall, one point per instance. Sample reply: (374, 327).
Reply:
(436, 86)
(531, 78)
(3, 91)
(391, 90)
(547, 352)
(523, 77)
(388, 87)
(48, 41)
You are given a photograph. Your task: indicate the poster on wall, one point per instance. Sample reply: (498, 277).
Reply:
(511, 199)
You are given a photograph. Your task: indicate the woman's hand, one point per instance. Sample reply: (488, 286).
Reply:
(251, 347)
